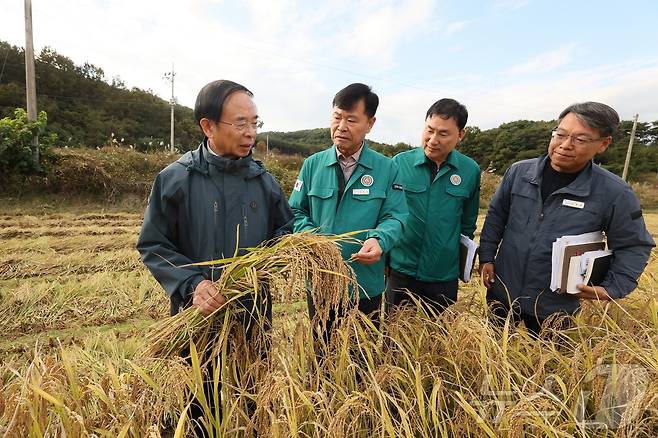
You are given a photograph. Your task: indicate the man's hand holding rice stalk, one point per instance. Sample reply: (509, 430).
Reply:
(207, 298)
(298, 258)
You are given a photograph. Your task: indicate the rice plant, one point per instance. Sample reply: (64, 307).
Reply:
(416, 375)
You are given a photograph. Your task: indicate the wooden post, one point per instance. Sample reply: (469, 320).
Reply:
(630, 149)
(173, 103)
(170, 77)
(30, 82)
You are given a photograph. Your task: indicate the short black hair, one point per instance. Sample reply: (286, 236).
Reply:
(210, 100)
(447, 108)
(349, 96)
(596, 115)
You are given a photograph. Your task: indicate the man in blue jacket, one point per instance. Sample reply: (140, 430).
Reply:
(212, 201)
(562, 193)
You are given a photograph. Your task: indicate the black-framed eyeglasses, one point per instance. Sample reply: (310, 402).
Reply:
(576, 141)
(243, 125)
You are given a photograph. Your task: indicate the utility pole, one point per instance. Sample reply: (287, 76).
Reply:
(30, 82)
(630, 149)
(170, 77)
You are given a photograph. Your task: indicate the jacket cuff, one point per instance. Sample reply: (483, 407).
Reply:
(190, 285)
(485, 258)
(612, 291)
(375, 235)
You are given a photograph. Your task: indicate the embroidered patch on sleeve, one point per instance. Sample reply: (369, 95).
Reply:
(298, 185)
(397, 186)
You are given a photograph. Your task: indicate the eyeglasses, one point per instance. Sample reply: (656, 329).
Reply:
(576, 141)
(243, 125)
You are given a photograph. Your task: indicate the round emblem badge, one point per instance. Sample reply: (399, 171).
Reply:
(367, 180)
(455, 180)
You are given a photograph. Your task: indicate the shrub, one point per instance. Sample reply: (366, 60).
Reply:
(16, 143)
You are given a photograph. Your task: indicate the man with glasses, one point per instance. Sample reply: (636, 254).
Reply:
(562, 193)
(210, 202)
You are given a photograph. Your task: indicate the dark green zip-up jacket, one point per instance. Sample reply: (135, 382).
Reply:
(198, 207)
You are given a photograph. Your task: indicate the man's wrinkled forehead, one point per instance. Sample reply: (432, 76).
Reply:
(579, 119)
(353, 109)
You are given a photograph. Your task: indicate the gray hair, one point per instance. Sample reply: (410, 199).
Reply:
(596, 115)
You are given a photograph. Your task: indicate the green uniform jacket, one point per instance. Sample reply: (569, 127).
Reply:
(373, 200)
(438, 213)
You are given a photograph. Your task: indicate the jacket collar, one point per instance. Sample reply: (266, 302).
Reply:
(367, 158)
(200, 159)
(581, 186)
(452, 159)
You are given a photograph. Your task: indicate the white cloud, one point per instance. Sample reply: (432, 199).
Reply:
(545, 62)
(294, 56)
(455, 27)
(375, 30)
(630, 88)
(510, 4)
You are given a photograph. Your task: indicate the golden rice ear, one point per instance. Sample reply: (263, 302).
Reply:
(295, 259)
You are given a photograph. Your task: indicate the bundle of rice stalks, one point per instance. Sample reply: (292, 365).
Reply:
(304, 257)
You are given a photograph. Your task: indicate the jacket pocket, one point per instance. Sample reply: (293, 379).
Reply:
(322, 205)
(416, 196)
(373, 194)
(320, 192)
(364, 210)
(459, 192)
(454, 200)
(579, 220)
(414, 188)
(523, 204)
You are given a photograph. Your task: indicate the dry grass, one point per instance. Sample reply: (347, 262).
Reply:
(72, 361)
(32, 264)
(69, 302)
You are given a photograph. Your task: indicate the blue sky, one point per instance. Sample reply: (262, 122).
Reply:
(504, 59)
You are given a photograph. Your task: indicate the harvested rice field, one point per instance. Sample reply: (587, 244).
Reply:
(76, 305)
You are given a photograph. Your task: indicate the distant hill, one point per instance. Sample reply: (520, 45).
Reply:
(309, 141)
(496, 149)
(86, 109)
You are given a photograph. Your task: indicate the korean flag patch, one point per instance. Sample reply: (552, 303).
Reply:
(298, 185)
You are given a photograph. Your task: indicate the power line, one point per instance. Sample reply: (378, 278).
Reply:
(98, 100)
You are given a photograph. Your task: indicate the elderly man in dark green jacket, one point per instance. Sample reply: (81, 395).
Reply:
(211, 202)
(442, 188)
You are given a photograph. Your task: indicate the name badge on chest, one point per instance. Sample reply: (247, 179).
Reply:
(361, 191)
(573, 204)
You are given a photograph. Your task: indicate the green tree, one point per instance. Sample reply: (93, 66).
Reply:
(16, 150)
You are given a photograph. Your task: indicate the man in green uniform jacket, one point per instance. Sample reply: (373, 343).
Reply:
(350, 187)
(442, 188)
